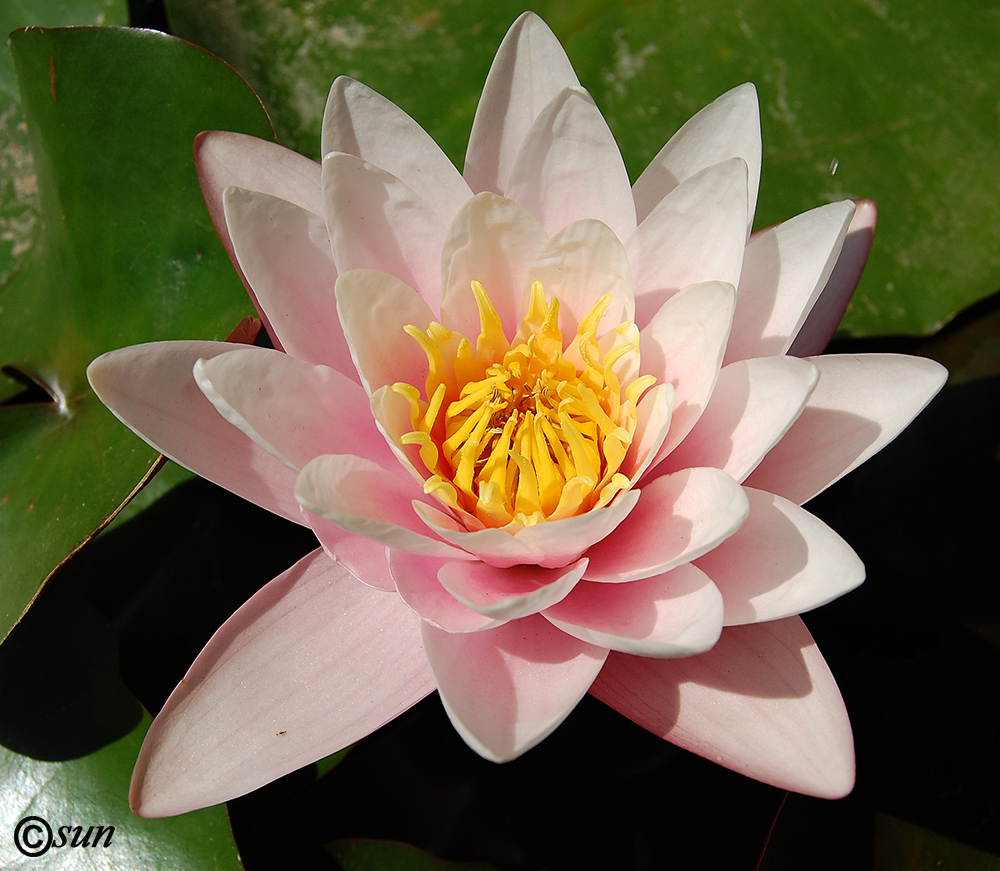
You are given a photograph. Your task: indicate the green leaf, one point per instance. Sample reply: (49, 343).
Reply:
(127, 254)
(18, 185)
(894, 102)
(69, 736)
(905, 846)
(362, 855)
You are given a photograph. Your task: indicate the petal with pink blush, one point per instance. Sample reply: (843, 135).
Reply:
(552, 544)
(678, 613)
(493, 241)
(416, 579)
(361, 497)
(651, 428)
(784, 270)
(292, 409)
(826, 313)
(861, 403)
(783, 561)
(752, 407)
(762, 702)
(679, 518)
(377, 222)
(359, 121)
(284, 252)
(367, 560)
(508, 594)
(727, 128)
(696, 234)
(569, 168)
(580, 264)
(529, 71)
(506, 689)
(684, 345)
(151, 390)
(313, 662)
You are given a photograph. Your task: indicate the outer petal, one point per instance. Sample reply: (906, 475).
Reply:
(494, 241)
(416, 579)
(374, 307)
(784, 270)
(227, 159)
(729, 127)
(361, 497)
(284, 252)
(781, 562)
(696, 233)
(678, 518)
(678, 613)
(683, 345)
(752, 406)
(569, 168)
(580, 264)
(508, 594)
(825, 316)
(860, 405)
(150, 389)
(238, 721)
(528, 72)
(377, 222)
(361, 122)
(292, 409)
(507, 688)
(761, 702)
(367, 560)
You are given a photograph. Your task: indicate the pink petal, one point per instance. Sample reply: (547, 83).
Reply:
(823, 319)
(651, 428)
(234, 159)
(508, 594)
(683, 345)
(550, 544)
(784, 271)
(284, 252)
(860, 405)
(782, 561)
(374, 307)
(367, 560)
(752, 407)
(294, 410)
(310, 664)
(679, 517)
(580, 264)
(494, 241)
(507, 688)
(361, 497)
(762, 702)
(678, 613)
(150, 389)
(569, 168)
(361, 122)
(416, 579)
(377, 222)
(729, 127)
(697, 233)
(528, 72)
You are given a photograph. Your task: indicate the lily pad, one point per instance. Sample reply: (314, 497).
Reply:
(894, 102)
(126, 254)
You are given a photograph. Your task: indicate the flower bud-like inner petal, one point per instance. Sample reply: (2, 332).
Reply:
(517, 432)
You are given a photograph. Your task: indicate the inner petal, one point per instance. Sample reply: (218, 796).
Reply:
(515, 431)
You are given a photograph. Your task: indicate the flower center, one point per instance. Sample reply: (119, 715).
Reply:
(526, 430)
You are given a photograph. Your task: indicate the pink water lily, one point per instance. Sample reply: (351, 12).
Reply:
(551, 430)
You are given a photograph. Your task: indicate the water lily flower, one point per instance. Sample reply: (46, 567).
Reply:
(552, 431)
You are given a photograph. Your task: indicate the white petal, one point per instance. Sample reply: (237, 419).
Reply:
(506, 689)
(310, 664)
(782, 561)
(678, 613)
